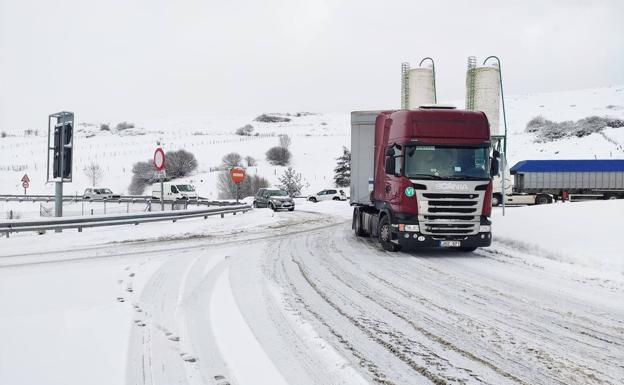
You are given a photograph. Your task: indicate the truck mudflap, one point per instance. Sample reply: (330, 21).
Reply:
(409, 240)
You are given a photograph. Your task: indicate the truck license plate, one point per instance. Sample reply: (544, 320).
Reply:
(450, 243)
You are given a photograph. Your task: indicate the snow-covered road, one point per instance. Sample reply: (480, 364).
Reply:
(295, 298)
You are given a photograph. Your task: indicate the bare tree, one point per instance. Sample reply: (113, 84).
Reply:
(251, 161)
(94, 172)
(232, 159)
(284, 140)
(248, 187)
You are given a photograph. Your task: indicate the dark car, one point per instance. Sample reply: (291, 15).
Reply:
(273, 198)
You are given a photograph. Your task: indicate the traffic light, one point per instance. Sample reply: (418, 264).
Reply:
(62, 150)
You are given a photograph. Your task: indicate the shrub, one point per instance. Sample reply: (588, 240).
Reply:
(3, 134)
(246, 130)
(266, 118)
(547, 130)
(124, 126)
(104, 127)
(278, 156)
(179, 163)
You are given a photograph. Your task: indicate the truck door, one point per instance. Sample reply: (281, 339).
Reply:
(392, 179)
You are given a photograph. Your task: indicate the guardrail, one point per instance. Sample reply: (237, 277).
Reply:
(113, 220)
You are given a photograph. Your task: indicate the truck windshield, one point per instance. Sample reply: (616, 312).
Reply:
(447, 162)
(185, 187)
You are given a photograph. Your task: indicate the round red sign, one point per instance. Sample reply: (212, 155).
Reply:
(159, 159)
(25, 184)
(237, 174)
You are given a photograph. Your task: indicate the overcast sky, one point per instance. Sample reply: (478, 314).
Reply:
(130, 60)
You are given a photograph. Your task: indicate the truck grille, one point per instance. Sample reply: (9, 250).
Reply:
(449, 214)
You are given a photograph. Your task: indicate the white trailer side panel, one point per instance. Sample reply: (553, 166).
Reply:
(362, 155)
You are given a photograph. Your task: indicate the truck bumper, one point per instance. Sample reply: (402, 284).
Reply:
(408, 240)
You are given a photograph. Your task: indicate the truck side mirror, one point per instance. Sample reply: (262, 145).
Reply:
(390, 151)
(390, 169)
(495, 166)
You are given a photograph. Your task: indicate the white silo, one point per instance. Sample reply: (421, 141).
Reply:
(421, 87)
(487, 97)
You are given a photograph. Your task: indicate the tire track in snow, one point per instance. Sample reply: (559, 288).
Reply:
(575, 370)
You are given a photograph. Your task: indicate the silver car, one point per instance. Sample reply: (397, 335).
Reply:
(274, 199)
(99, 193)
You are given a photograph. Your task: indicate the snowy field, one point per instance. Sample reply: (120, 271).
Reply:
(294, 297)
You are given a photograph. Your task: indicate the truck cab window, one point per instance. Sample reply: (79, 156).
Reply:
(394, 160)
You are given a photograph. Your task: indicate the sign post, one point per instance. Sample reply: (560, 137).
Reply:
(238, 175)
(25, 182)
(60, 155)
(159, 164)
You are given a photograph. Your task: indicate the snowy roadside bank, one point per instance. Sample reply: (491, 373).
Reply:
(582, 233)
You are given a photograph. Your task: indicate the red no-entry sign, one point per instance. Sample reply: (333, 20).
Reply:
(159, 159)
(25, 184)
(237, 174)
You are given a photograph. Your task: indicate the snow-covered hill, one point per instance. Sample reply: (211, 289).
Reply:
(317, 140)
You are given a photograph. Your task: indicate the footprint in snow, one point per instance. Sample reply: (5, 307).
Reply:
(120, 299)
(174, 338)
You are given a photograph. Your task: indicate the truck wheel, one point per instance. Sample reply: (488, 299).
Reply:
(357, 224)
(273, 207)
(542, 200)
(611, 196)
(466, 249)
(496, 200)
(385, 235)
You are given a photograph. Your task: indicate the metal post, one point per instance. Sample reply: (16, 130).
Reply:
(236, 193)
(58, 202)
(500, 77)
(503, 155)
(435, 92)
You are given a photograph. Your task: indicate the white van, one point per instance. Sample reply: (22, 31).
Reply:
(174, 191)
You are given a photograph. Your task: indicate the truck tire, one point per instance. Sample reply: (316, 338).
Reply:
(542, 199)
(610, 196)
(385, 235)
(357, 224)
(496, 200)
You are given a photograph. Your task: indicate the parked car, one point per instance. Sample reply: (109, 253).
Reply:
(174, 191)
(329, 194)
(273, 198)
(99, 193)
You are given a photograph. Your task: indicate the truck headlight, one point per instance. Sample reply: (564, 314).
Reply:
(403, 227)
(485, 228)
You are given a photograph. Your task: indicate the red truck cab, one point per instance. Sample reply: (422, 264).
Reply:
(431, 180)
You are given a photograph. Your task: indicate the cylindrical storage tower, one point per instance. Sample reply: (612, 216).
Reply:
(487, 95)
(421, 87)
